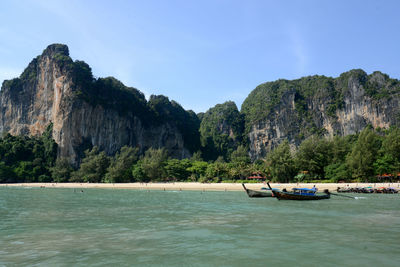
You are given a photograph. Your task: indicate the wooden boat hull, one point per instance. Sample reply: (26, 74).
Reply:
(343, 190)
(257, 193)
(368, 190)
(291, 196)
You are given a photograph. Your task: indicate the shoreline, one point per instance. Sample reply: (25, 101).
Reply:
(193, 186)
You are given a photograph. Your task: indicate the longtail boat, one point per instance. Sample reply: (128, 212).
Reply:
(300, 194)
(344, 190)
(264, 192)
(391, 190)
(368, 190)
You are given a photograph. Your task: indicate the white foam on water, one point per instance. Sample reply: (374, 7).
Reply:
(359, 197)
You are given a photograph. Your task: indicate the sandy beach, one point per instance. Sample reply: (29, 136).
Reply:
(180, 186)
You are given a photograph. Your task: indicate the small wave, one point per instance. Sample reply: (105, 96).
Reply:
(360, 197)
(18, 243)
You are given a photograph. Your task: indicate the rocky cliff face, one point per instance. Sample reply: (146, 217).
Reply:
(103, 112)
(320, 105)
(221, 130)
(86, 112)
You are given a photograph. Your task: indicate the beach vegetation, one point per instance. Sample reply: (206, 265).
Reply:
(281, 163)
(151, 166)
(336, 172)
(363, 157)
(313, 155)
(177, 170)
(197, 169)
(138, 174)
(120, 169)
(27, 159)
(93, 167)
(61, 171)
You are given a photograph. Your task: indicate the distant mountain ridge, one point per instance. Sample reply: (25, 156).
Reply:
(104, 112)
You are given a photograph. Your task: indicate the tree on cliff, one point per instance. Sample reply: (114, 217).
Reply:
(49, 145)
(240, 155)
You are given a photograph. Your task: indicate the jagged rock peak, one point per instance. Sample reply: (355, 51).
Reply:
(54, 49)
(221, 130)
(87, 112)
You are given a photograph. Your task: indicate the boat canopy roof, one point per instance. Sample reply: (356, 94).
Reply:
(305, 189)
(273, 189)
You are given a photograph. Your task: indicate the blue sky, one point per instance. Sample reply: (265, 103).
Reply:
(201, 53)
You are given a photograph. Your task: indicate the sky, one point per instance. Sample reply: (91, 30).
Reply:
(202, 53)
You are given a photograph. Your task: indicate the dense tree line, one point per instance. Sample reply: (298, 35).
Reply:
(27, 159)
(360, 157)
(155, 165)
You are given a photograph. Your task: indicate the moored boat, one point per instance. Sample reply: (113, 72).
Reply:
(344, 190)
(368, 190)
(384, 190)
(264, 192)
(300, 194)
(391, 190)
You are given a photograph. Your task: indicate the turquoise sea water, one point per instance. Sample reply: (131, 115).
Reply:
(105, 227)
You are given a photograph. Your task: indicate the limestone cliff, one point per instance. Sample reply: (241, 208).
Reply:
(320, 105)
(221, 130)
(87, 112)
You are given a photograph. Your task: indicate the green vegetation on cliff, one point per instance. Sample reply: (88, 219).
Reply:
(265, 99)
(305, 100)
(164, 110)
(108, 93)
(221, 131)
(376, 85)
